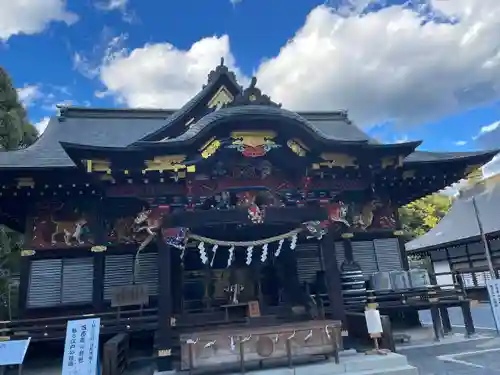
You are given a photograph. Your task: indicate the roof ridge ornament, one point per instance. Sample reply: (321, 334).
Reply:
(252, 96)
(221, 69)
(62, 111)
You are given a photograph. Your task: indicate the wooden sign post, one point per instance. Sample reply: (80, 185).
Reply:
(13, 353)
(375, 329)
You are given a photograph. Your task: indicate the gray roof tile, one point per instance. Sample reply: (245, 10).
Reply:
(112, 132)
(335, 127)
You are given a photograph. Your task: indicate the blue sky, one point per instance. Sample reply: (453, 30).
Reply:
(424, 70)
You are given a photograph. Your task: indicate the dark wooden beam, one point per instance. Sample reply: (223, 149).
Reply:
(24, 280)
(273, 215)
(332, 275)
(164, 340)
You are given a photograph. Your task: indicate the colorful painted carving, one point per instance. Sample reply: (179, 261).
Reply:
(60, 225)
(123, 230)
(337, 213)
(71, 230)
(363, 218)
(297, 147)
(149, 220)
(384, 217)
(210, 149)
(316, 229)
(175, 237)
(255, 213)
(253, 144)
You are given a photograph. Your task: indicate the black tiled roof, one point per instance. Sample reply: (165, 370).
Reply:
(428, 156)
(330, 126)
(124, 127)
(47, 152)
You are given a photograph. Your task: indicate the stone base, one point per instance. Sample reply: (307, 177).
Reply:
(358, 364)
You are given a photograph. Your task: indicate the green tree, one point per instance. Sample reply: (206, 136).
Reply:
(475, 176)
(422, 215)
(15, 132)
(15, 129)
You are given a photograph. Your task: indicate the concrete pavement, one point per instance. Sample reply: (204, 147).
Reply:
(481, 314)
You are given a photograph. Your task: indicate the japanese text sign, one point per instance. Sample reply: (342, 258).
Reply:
(13, 352)
(494, 294)
(81, 348)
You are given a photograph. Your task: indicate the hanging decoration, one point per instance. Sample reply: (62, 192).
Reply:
(179, 237)
(308, 336)
(249, 255)
(203, 253)
(278, 250)
(210, 344)
(214, 250)
(230, 257)
(269, 240)
(263, 256)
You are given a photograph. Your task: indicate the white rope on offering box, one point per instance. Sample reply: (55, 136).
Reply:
(250, 245)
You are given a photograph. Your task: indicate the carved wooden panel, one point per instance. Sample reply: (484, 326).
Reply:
(62, 224)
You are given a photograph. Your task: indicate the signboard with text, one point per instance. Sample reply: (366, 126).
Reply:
(129, 295)
(81, 347)
(494, 294)
(13, 352)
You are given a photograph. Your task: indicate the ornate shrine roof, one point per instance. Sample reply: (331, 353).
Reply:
(220, 100)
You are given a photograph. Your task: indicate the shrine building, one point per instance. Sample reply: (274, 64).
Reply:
(230, 209)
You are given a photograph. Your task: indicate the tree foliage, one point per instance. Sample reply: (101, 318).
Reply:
(15, 132)
(15, 129)
(422, 215)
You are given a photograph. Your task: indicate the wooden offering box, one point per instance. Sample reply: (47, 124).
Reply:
(236, 347)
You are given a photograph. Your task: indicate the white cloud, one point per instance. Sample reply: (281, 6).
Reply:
(29, 94)
(121, 6)
(402, 139)
(31, 16)
(489, 128)
(398, 63)
(235, 2)
(107, 48)
(460, 143)
(42, 124)
(160, 75)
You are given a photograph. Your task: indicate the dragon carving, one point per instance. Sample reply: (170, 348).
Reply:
(149, 221)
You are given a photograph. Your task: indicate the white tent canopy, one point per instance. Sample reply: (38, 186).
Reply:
(460, 222)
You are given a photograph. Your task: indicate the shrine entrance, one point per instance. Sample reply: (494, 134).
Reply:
(219, 271)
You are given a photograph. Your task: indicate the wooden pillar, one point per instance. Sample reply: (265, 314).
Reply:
(98, 282)
(401, 242)
(99, 229)
(348, 254)
(24, 272)
(332, 275)
(164, 333)
(25, 269)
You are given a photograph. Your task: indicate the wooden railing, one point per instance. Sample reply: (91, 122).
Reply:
(54, 328)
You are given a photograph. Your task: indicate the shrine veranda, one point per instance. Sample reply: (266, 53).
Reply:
(229, 200)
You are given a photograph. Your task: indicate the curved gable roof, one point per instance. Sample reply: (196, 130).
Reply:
(342, 131)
